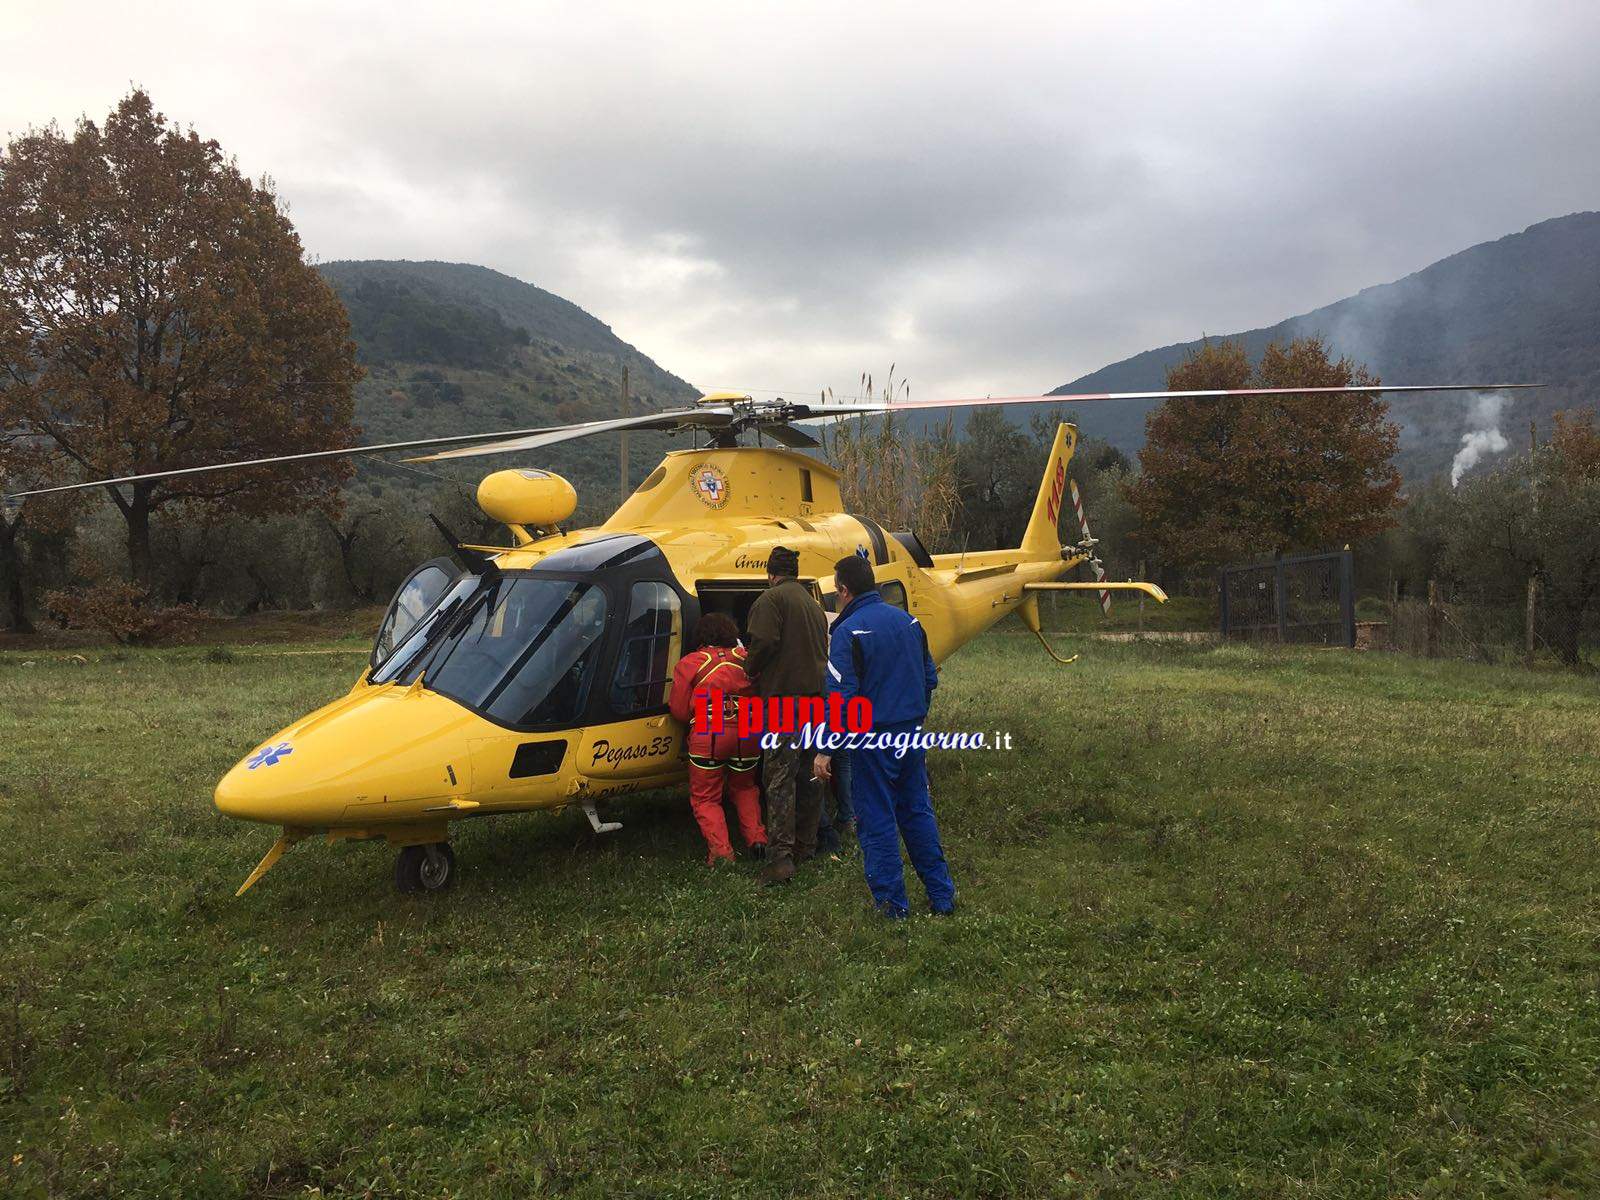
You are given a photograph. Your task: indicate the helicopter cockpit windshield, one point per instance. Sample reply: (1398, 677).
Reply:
(524, 647)
(522, 652)
(420, 610)
(418, 598)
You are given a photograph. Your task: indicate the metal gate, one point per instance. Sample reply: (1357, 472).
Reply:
(1305, 598)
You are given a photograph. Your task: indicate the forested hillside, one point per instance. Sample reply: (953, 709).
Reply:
(1525, 307)
(455, 348)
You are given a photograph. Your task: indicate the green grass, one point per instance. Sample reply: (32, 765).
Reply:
(1079, 612)
(1234, 922)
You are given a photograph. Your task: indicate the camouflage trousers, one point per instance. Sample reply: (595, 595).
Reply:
(794, 803)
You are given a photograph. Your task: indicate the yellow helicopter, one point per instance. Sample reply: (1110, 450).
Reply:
(535, 675)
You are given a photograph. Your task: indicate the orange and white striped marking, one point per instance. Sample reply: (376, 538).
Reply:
(1094, 563)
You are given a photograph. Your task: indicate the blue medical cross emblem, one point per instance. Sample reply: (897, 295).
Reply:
(268, 756)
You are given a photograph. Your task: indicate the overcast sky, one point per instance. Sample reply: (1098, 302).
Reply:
(998, 197)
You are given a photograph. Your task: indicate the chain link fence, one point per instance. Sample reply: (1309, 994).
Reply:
(1310, 599)
(1493, 623)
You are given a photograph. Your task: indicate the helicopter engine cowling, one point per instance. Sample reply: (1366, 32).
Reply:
(527, 497)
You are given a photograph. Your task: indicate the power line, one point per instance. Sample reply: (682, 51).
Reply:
(400, 466)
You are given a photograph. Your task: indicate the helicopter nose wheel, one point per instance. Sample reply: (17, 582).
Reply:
(430, 868)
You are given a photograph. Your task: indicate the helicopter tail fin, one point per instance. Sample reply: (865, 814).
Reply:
(1042, 538)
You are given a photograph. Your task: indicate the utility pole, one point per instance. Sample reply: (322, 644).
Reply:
(622, 449)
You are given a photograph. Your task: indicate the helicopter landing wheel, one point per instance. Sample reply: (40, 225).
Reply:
(430, 868)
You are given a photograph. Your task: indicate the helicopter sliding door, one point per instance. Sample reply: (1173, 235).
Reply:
(736, 596)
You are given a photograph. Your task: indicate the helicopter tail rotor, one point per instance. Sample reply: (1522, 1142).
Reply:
(1089, 543)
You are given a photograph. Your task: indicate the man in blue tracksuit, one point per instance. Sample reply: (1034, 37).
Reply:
(879, 652)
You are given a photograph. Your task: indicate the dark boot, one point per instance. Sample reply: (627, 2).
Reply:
(774, 873)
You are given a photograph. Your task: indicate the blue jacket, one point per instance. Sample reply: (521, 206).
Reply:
(881, 652)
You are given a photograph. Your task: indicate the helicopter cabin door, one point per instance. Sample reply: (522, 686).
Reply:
(735, 597)
(639, 740)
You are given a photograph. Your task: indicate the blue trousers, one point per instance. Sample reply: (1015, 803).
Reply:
(892, 803)
(842, 775)
(826, 822)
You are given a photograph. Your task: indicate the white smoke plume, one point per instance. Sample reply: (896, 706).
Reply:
(1485, 438)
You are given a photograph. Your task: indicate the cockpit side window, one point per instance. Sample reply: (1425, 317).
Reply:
(650, 646)
(525, 652)
(410, 653)
(416, 598)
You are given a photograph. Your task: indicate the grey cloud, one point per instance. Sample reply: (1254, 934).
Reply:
(999, 198)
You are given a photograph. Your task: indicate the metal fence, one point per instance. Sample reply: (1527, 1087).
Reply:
(1494, 622)
(1304, 598)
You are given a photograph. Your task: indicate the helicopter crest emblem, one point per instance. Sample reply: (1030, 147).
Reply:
(710, 484)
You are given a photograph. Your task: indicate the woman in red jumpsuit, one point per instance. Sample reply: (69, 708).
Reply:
(718, 760)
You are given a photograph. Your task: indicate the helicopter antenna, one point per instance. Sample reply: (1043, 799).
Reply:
(469, 557)
(622, 443)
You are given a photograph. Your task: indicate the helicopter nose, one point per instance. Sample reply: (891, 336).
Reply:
(387, 748)
(269, 786)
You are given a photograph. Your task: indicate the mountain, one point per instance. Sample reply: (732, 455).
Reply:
(1523, 308)
(455, 348)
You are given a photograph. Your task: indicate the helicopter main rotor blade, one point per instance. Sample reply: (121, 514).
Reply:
(719, 416)
(788, 435)
(709, 416)
(312, 456)
(826, 410)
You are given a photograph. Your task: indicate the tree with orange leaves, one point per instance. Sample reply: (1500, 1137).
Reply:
(1575, 442)
(161, 315)
(1238, 477)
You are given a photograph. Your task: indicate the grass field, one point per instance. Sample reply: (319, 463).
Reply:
(1080, 614)
(1234, 922)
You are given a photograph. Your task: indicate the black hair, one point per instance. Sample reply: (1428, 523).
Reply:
(715, 629)
(783, 563)
(855, 573)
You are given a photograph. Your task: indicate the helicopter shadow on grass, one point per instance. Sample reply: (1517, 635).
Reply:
(546, 859)
(528, 851)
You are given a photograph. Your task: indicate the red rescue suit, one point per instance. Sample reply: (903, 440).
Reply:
(718, 759)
